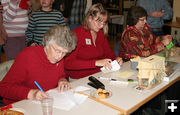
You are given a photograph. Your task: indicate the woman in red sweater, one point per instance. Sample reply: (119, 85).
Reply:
(93, 50)
(43, 64)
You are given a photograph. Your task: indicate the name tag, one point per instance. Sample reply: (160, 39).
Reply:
(88, 41)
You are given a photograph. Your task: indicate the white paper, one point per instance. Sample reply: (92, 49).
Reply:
(115, 67)
(67, 100)
(124, 83)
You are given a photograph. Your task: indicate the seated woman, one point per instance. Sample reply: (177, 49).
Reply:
(137, 38)
(43, 63)
(93, 50)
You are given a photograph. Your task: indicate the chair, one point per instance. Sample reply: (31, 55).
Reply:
(4, 68)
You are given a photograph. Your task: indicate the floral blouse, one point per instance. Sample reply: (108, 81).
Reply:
(134, 42)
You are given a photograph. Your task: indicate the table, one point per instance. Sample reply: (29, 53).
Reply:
(89, 107)
(124, 99)
(175, 58)
(173, 24)
(120, 94)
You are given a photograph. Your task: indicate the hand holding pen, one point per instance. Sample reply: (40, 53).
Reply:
(35, 94)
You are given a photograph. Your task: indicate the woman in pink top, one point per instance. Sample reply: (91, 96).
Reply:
(15, 21)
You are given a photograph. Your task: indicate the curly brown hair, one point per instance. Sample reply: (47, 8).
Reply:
(134, 13)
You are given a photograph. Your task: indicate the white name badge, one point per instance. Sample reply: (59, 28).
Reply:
(88, 41)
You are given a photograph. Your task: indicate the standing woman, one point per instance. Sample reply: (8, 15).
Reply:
(93, 50)
(15, 21)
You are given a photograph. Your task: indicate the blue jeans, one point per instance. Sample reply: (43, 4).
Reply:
(117, 47)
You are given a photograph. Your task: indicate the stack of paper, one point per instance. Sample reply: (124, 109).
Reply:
(67, 100)
(115, 67)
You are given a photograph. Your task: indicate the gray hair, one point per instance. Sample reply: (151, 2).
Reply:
(61, 36)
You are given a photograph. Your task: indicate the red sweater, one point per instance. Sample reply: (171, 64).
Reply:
(81, 62)
(29, 66)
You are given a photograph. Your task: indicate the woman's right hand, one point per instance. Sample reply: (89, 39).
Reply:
(167, 39)
(105, 63)
(35, 94)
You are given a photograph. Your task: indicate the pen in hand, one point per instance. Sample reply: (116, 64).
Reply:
(39, 86)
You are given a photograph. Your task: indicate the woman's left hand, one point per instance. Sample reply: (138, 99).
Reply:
(119, 60)
(63, 85)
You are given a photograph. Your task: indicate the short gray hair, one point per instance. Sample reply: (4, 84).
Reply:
(61, 36)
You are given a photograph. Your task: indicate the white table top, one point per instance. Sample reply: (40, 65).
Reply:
(124, 98)
(89, 107)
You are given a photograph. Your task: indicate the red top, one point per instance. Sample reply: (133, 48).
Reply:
(81, 62)
(133, 42)
(29, 66)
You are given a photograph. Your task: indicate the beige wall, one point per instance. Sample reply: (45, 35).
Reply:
(176, 9)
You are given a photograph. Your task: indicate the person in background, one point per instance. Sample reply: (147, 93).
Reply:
(158, 11)
(63, 6)
(41, 20)
(46, 67)
(15, 21)
(138, 39)
(34, 5)
(3, 34)
(77, 13)
(93, 50)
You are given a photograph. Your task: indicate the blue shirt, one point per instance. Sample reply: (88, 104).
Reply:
(156, 5)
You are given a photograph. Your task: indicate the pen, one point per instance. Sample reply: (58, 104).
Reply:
(39, 86)
(104, 78)
(131, 80)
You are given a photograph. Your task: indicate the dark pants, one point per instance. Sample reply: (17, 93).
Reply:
(1, 102)
(13, 46)
(158, 33)
(0, 52)
(73, 26)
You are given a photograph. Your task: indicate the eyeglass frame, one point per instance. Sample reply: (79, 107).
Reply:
(99, 22)
(58, 52)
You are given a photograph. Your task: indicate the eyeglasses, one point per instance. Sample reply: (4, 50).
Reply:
(142, 19)
(99, 22)
(59, 52)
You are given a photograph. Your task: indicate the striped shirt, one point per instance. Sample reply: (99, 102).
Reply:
(40, 21)
(15, 19)
(77, 11)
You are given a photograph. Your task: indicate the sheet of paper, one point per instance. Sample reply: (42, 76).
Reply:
(125, 74)
(67, 100)
(115, 67)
